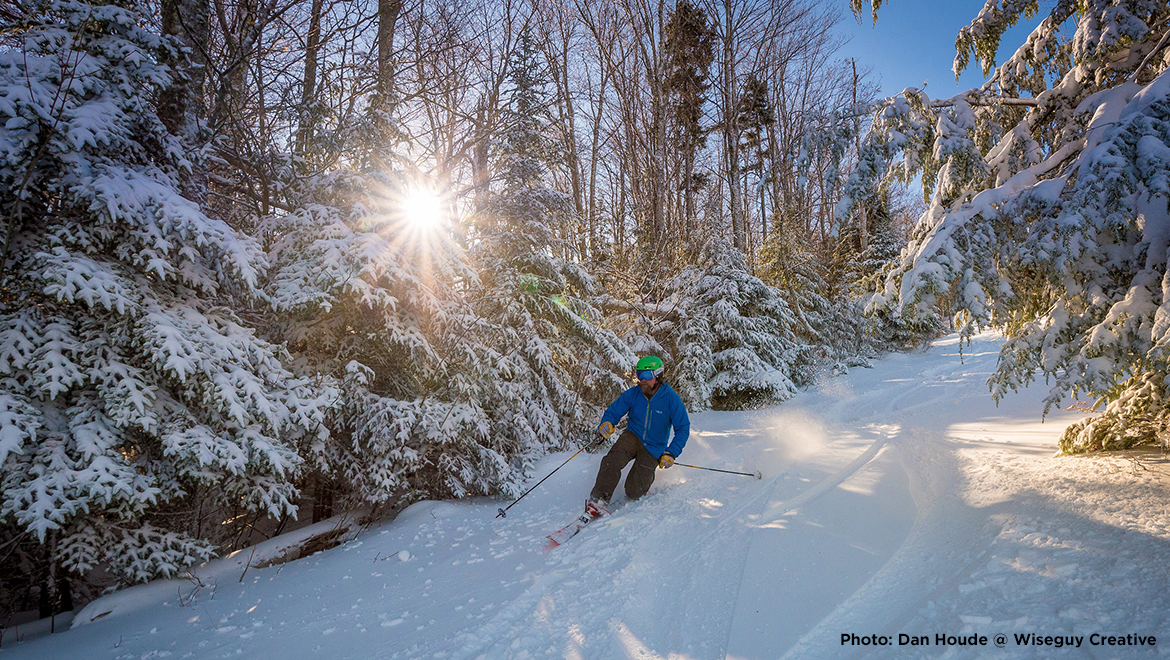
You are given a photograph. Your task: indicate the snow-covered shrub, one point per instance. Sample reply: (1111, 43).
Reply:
(130, 384)
(1136, 417)
(1060, 236)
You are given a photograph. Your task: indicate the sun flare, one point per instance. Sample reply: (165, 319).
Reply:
(422, 208)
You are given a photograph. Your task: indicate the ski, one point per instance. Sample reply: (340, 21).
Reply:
(562, 535)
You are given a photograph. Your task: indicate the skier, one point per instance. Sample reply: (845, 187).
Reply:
(653, 408)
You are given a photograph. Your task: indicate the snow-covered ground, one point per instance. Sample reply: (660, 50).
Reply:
(897, 500)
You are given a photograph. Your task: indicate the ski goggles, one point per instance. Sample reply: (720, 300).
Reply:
(647, 374)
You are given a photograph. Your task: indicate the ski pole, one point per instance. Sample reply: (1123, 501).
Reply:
(755, 474)
(503, 513)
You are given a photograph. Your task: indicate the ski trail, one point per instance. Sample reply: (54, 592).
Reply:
(948, 541)
(781, 509)
(894, 405)
(620, 573)
(636, 596)
(664, 578)
(898, 499)
(723, 546)
(774, 529)
(631, 587)
(661, 615)
(784, 508)
(507, 619)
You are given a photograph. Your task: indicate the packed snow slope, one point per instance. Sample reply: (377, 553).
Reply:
(897, 499)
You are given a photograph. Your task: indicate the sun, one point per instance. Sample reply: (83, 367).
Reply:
(422, 208)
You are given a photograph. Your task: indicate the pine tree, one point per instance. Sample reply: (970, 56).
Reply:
(735, 345)
(1056, 233)
(756, 116)
(367, 302)
(132, 385)
(690, 51)
(548, 345)
(856, 267)
(827, 311)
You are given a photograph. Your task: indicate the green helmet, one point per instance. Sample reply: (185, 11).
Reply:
(650, 363)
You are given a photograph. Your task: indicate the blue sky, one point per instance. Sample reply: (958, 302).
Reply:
(914, 41)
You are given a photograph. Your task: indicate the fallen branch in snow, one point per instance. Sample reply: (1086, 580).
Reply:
(190, 598)
(1135, 464)
(248, 564)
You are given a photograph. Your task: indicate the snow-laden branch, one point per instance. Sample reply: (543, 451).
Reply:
(1048, 216)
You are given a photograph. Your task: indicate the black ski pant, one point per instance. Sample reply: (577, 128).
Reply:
(627, 448)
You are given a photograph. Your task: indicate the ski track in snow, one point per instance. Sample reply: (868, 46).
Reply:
(897, 499)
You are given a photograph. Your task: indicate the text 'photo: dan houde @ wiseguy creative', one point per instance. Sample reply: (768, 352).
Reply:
(1001, 640)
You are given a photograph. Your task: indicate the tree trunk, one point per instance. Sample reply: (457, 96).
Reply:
(480, 174)
(731, 148)
(240, 39)
(45, 599)
(688, 222)
(306, 122)
(570, 122)
(731, 128)
(779, 172)
(658, 179)
(620, 220)
(763, 203)
(262, 126)
(388, 11)
(181, 104)
(322, 498)
(593, 161)
(862, 229)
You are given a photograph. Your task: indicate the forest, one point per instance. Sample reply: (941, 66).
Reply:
(266, 261)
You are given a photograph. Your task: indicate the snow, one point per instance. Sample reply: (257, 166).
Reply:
(209, 575)
(897, 499)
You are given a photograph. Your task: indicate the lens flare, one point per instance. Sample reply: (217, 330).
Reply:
(422, 208)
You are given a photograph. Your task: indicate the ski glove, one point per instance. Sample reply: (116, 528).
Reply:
(666, 460)
(606, 429)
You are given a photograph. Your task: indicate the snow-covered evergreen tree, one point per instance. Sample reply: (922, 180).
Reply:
(448, 372)
(131, 385)
(826, 310)
(734, 344)
(369, 305)
(856, 271)
(824, 283)
(1049, 211)
(551, 358)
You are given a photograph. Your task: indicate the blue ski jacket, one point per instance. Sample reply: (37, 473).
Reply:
(651, 419)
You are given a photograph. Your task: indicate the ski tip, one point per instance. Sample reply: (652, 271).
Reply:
(549, 546)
